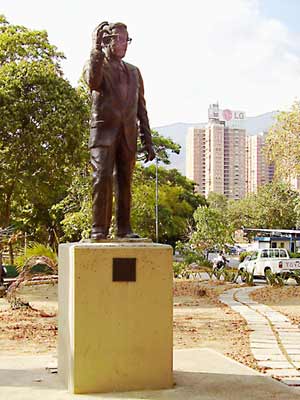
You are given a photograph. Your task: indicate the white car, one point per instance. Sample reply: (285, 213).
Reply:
(277, 261)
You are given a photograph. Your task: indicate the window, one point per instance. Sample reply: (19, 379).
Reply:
(254, 256)
(282, 253)
(276, 253)
(264, 254)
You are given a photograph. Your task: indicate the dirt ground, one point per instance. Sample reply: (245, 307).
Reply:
(200, 319)
(30, 330)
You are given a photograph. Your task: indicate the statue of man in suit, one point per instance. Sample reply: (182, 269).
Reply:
(118, 115)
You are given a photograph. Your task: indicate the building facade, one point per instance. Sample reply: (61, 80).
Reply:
(195, 157)
(214, 157)
(258, 170)
(221, 158)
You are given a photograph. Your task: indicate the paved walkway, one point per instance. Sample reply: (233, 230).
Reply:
(199, 374)
(274, 340)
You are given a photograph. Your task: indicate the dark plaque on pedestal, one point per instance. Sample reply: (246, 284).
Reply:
(124, 270)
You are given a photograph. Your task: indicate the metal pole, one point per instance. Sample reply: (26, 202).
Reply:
(25, 243)
(156, 199)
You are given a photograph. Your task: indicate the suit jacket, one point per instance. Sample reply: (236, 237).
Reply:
(110, 113)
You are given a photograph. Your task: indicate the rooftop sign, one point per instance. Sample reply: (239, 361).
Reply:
(225, 115)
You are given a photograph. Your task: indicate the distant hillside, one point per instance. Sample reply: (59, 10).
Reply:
(178, 131)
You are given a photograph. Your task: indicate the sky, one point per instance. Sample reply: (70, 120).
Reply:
(244, 54)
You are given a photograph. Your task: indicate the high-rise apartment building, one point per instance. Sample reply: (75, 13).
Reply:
(195, 157)
(214, 157)
(234, 163)
(259, 171)
(221, 158)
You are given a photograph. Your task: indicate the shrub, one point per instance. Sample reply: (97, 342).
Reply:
(274, 279)
(178, 268)
(296, 276)
(243, 255)
(206, 264)
(294, 255)
(35, 249)
(247, 277)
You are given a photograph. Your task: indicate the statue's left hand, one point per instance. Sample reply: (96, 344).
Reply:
(150, 152)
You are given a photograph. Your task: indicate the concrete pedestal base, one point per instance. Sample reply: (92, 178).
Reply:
(115, 316)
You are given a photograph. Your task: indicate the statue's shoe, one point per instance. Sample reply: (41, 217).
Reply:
(128, 235)
(98, 236)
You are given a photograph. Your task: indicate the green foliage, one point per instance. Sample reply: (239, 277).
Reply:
(243, 255)
(218, 273)
(162, 146)
(205, 264)
(283, 145)
(218, 201)
(178, 269)
(176, 203)
(273, 279)
(274, 206)
(35, 249)
(247, 277)
(190, 255)
(294, 255)
(212, 229)
(43, 128)
(296, 275)
(75, 211)
(230, 276)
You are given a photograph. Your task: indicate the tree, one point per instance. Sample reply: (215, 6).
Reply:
(217, 200)
(162, 146)
(241, 213)
(283, 143)
(43, 124)
(274, 206)
(212, 229)
(177, 203)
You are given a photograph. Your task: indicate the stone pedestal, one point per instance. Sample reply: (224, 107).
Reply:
(115, 316)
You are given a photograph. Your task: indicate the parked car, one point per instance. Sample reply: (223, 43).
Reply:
(243, 265)
(277, 261)
(240, 249)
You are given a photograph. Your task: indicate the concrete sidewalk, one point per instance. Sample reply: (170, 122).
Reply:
(200, 374)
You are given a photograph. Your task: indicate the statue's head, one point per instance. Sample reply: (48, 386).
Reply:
(116, 39)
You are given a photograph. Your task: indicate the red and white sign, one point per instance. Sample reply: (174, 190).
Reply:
(226, 115)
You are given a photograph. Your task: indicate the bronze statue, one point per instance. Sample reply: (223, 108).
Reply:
(118, 115)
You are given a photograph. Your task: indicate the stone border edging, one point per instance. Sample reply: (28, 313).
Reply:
(274, 340)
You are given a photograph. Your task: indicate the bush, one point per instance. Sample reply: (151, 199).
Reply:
(274, 279)
(206, 264)
(35, 249)
(294, 255)
(243, 255)
(178, 268)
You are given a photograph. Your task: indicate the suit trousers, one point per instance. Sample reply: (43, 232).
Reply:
(112, 164)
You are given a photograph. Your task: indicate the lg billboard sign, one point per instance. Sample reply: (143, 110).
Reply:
(226, 115)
